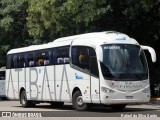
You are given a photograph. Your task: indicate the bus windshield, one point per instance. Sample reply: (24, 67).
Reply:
(124, 62)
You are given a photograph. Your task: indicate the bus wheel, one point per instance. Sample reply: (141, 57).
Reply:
(78, 103)
(23, 100)
(118, 107)
(57, 104)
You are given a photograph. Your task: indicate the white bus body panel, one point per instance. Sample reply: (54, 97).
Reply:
(50, 83)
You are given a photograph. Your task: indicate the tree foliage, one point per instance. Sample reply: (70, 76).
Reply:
(13, 29)
(52, 18)
(13, 22)
(49, 19)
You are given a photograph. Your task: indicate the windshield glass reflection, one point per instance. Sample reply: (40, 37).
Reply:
(124, 62)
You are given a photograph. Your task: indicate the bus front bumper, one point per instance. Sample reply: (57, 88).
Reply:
(125, 98)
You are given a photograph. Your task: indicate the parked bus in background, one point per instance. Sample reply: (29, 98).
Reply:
(108, 68)
(2, 82)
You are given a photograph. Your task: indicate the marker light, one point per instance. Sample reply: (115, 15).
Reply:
(123, 38)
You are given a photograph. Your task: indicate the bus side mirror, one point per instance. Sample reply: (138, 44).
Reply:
(151, 51)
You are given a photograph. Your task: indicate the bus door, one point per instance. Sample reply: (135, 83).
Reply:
(84, 60)
(94, 77)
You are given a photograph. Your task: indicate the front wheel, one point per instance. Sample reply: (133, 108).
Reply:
(78, 103)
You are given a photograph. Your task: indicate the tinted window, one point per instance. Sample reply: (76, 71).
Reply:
(2, 75)
(20, 61)
(85, 58)
(42, 58)
(31, 59)
(124, 62)
(61, 55)
(80, 57)
(9, 61)
(14, 61)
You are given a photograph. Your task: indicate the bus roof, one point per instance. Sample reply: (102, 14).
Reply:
(107, 37)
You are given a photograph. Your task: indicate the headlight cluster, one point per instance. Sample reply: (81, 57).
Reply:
(107, 90)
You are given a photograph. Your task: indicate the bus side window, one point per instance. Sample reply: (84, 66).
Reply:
(21, 63)
(46, 57)
(14, 60)
(9, 62)
(85, 58)
(42, 58)
(80, 56)
(62, 55)
(50, 57)
(54, 58)
(31, 61)
(2, 75)
(26, 64)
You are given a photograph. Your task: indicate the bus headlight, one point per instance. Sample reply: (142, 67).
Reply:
(146, 90)
(107, 90)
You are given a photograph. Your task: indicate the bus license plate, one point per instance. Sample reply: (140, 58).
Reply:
(129, 97)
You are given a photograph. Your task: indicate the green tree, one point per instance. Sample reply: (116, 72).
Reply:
(13, 27)
(144, 19)
(51, 18)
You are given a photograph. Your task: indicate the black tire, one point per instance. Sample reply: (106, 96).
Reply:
(57, 104)
(78, 103)
(23, 100)
(118, 107)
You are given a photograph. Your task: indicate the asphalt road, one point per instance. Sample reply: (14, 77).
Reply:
(45, 111)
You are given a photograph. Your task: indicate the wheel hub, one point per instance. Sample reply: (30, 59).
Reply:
(23, 99)
(79, 101)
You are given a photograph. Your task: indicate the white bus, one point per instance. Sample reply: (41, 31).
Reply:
(2, 82)
(108, 68)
